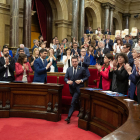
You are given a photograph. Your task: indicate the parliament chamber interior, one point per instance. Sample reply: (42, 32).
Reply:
(69, 70)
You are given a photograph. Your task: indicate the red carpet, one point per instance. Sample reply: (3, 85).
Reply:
(36, 129)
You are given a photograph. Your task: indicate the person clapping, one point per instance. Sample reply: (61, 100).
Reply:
(22, 69)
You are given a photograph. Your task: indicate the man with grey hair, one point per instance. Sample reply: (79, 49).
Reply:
(100, 53)
(36, 44)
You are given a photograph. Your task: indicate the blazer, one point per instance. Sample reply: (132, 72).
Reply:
(26, 50)
(17, 56)
(19, 72)
(89, 32)
(109, 33)
(80, 75)
(73, 51)
(100, 59)
(122, 80)
(66, 63)
(110, 44)
(85, 65)
(138, 90)
(106, 81)
(130, 59)
(92, 58)
(3, 69)
(40, 73)
(54, 63)
(130, 41)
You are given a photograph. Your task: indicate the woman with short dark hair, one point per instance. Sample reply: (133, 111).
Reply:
(118, 74)
(22, 69)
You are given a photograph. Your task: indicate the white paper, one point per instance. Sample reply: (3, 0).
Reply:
(117, 32)
(126, 31)
(128, 100)
(134, 31)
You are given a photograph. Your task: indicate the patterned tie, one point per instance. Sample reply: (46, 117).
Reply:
(6, 73)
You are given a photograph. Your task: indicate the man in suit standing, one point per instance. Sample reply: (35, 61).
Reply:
(109, 43)
(84, 61)
(75, 77)
(75, 51)
(127, 40)
(41, 67)
(107, 32)
(36, 44)
(100, 53)
(7, 66)
(126, 50)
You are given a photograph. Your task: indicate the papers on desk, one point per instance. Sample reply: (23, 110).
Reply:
(92, 89)
(4, 82)
(37, 83)
(111, 93)
(128, 100)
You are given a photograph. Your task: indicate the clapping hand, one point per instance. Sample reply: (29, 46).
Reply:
(7, 61)
(98, 67)
(78, 82)
(49, 64)
(115, 63)
(128, 68)
(99, 53)
(111, 64)
(70, 82)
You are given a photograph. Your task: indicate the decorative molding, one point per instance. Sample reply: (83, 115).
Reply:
(126, 15)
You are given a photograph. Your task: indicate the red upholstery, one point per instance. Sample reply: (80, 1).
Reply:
(93, 76)
(66, 96)
(60, 69)
(31, 78)
(51, 79)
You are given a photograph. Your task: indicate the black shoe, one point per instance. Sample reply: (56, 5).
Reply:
(68, 120)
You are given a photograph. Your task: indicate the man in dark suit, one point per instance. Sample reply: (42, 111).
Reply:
(36, 44)
(75, 51)
(126, 49)
(7, 66)
(127, 40)
(84, 61)
(41, 67)
(75, 77)
(100, 53)
(107, 32)
(20, 51)
(109, 43)
(89, 31)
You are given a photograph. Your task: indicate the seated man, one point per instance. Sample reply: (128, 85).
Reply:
(101, 52)
(84, 61)
(41, 67)
(75, 51)
(126, 50)
(26, 50)
(107, 32)
(20, 51)
(7, 66)
(89, 31)
(109, 43)
(127, 40)
(77, 76)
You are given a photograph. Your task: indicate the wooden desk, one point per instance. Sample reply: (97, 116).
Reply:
(108, 116)
(41, 101)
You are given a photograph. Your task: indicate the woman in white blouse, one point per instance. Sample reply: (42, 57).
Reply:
(67, 60)
(118, 46)
(98, 31)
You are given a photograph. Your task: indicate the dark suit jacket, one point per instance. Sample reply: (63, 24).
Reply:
(130, 59)
(130, 41)
(110, 44)
(100, 59)
(26, 50)
(89, 32)
(3, 69)
(58, 56)
(73, 51)
(86, 64)
(40, 72)
(81, 74)
(109, 33)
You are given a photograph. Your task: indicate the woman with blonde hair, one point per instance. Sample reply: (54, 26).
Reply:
(34, 57)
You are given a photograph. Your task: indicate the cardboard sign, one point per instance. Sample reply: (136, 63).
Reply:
(123, 34)
(117, 32)
(134, 31)
(126, 31)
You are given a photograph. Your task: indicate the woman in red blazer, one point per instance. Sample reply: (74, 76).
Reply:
(105, 82)
(22, 69)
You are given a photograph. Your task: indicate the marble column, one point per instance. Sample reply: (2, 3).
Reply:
(82, 20)
(75, 10)
(14, 24)
(106, 22)
(126, 16)
(111, 19)
(27, 23)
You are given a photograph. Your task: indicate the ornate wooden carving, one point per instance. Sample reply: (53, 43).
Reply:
(55, 110)
(81, 114)
(49, 108)
(87, 115)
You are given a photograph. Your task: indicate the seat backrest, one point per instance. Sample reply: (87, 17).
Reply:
(51, 79)
(60, 69)
(65, 90)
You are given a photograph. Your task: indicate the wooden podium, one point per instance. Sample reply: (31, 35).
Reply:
(109, 116)
(29, 100)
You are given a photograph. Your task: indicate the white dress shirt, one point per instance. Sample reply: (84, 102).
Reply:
(9, 74)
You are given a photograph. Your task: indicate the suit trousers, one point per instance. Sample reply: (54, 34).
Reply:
(74, 103)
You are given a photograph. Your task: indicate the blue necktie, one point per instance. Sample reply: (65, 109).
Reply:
(44, 62)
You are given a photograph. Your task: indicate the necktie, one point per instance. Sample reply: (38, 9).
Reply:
(44, 62)
(6, 73)
(62, 56)
(74, 73)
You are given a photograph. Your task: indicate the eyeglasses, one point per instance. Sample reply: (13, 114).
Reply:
(83, 51)
(124, 47)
